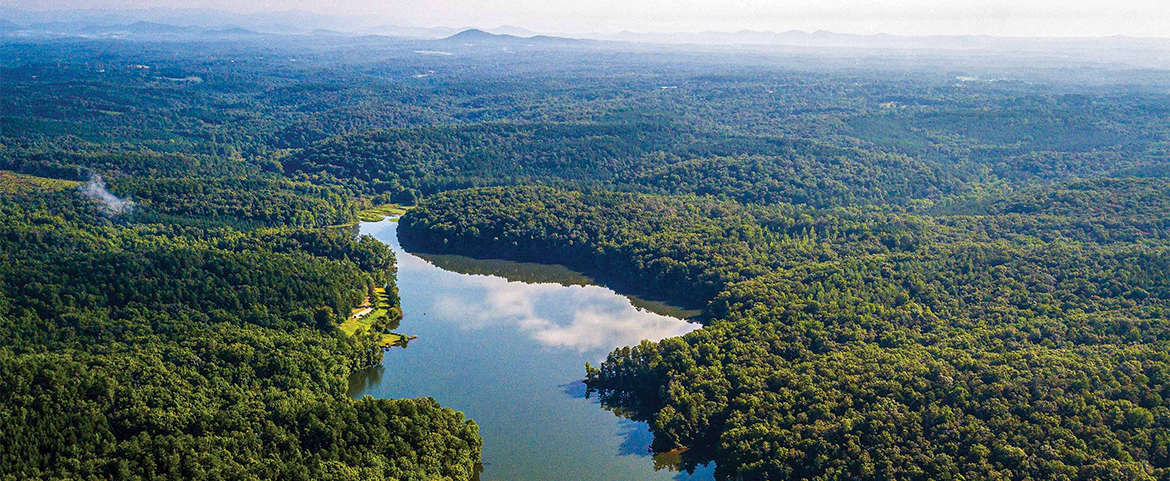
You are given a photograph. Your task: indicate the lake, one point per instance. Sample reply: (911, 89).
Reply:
(506, 343)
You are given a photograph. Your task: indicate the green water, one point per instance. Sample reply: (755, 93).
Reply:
(506, 343)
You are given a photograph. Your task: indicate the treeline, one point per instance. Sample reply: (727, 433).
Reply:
(1029, 137)
(133, 349)
(648, 156)
(856, 344)
(357, 116)
(179, 187)
(253, 200)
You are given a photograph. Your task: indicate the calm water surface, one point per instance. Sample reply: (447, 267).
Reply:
(511, 355)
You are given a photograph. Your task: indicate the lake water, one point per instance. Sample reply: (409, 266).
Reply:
(511, 355)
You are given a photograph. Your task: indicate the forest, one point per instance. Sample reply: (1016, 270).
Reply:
(135, 348)
(901, 275)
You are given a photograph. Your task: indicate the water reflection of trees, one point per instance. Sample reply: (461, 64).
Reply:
(526, 272)
(361, 381)
(627, 406)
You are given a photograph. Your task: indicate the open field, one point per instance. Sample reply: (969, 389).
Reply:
(377, 213)
(12, 183)
(363, 318)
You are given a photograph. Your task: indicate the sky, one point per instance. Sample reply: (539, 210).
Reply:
(1029, 18)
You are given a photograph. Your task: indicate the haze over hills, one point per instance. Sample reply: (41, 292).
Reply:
(138, 30)
(300, 22)
(272, 22)
(286, 22)
(822, 38)
(185, 24)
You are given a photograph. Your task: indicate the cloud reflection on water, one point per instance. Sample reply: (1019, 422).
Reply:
(584, 318)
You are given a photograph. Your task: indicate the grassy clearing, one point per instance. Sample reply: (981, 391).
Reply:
(13, 183)
(390, 339)
(363, 318)
(377, 213)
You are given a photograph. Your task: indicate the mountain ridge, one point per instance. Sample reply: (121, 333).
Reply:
(474, 36)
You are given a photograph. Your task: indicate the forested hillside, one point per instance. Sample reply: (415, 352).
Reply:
(137, 349)
(659, 156)
(904, 273)
(184, 324)
(855, 344)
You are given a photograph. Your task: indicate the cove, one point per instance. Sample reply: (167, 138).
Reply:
(506, 343)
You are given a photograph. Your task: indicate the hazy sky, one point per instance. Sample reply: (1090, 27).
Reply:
(1150, 18)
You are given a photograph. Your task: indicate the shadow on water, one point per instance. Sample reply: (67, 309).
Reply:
(637, 440)
(575, 390)
(636, 436)
(689, 465)
(526, 272)
(360, 381)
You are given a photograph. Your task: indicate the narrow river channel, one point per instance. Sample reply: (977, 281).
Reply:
(506, 343)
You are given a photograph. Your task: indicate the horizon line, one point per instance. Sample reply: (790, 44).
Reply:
(591, 34)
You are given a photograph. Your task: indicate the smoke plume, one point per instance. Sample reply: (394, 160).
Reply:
(111, 204)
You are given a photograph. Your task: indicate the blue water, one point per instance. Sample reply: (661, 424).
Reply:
(511, 356)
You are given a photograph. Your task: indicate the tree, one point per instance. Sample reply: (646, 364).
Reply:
(324, 318)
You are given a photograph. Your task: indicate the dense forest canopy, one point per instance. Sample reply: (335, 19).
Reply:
(905, 272)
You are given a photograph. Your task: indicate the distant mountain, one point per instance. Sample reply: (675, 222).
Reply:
(511, 30)
(136, 30)
(475, 36)
(324, 32)
(434, 33)
(233, 32)
(428, 33)
(142, 28)
(180, 24)
(290, 22)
